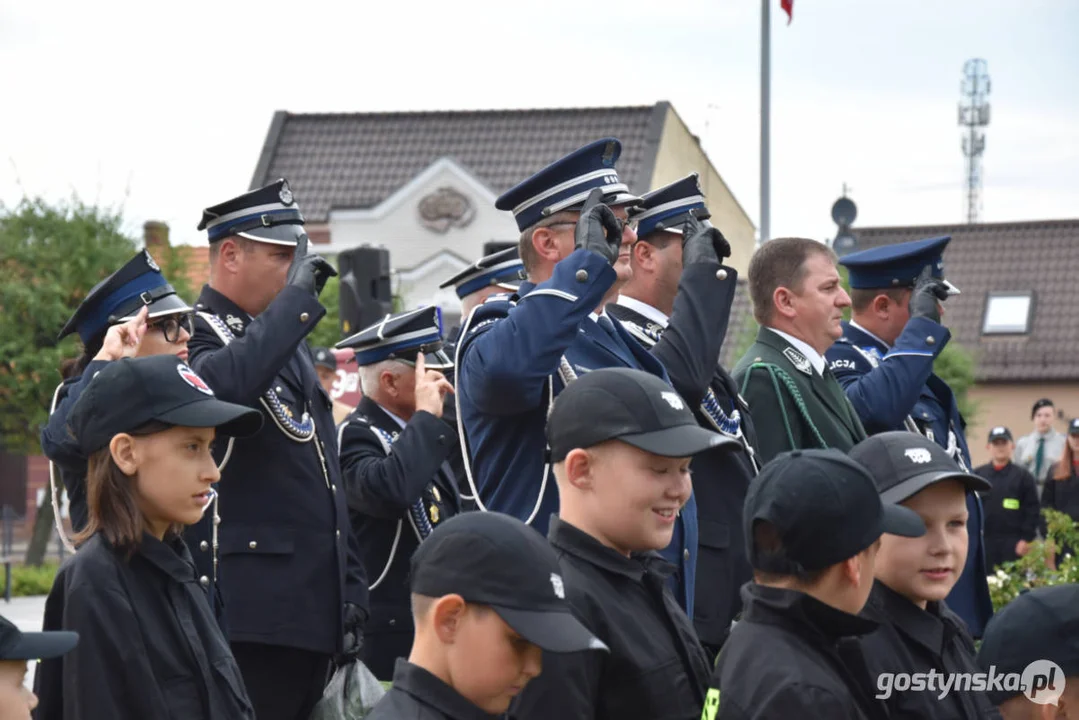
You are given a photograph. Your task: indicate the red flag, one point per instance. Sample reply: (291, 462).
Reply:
(788, 7)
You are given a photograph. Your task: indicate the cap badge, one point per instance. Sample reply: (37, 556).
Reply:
(556, 583)
(673, 400)
(918, 455)
(798, 360)
(1000, 430)
(193, 380)
(285, 194)
(152, 263)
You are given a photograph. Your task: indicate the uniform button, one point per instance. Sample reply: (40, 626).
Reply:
(253, 544)
(204, 581)
(721, 274)
(930, 340)
(338, 534)
(582, 275)
(393, 621)
(333, 488)
(277, 389)
(204, 546)
(217, 519)
(304, 317)
(685, 555)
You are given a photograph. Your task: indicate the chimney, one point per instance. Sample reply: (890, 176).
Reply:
(155, 236)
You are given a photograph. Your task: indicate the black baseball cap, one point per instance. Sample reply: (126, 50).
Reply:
(1000, 433)
(132, 392)
(1042, 624)
(905, 463)
(1043, 402)
(1073, 427)
(824, 507)
(324, 357)
(496, 560)
(628, 405)
(17, 645)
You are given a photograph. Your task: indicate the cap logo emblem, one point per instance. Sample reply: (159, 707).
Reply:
(152, 263)
(798, 360)
(286, 194)
(918, 455)
(556, 583)
(193, 380)
(999, 430)
(673, 400)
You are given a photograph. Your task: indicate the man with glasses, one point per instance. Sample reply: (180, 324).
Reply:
(516, 353)
(289, 568)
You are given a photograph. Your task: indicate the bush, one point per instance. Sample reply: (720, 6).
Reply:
(32, 580)
(1037, 568)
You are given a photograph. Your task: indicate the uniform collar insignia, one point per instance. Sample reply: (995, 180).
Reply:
(798, 360)
(235, 324)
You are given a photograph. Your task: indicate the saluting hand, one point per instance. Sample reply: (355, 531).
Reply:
(431, 388)
(702, 243)
(123, 340)
(308, 272)
(928, 294)
(598, 229)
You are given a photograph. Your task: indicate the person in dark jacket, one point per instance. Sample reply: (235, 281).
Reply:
(1062, 490)
(134, 312)
(918, 634)
(813, 524)
(16, 648)
(1012, 510)
(720, 477)
(621, 443)
(150, 645)
(490, 608)
(394, 453)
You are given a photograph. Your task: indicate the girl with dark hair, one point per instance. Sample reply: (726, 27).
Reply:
(132, 313)
(1062, 488)
(150, 646)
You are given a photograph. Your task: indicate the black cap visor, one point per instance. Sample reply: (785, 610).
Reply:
(41, 645)
(169, 305)
(916, 484)
(229, 419)
(680, 441)
(283, 234)
(432, 359)
(898, 520)
(554, 631)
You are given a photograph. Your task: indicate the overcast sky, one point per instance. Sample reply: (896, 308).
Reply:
(162, 108)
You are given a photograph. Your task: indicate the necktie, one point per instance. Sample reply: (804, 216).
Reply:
(1039, 457)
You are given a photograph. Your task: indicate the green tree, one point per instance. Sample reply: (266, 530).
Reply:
(328, 331)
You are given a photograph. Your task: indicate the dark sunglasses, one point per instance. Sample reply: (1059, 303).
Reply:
(171, 325)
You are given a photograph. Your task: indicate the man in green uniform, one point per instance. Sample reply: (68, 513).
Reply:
(794, 399)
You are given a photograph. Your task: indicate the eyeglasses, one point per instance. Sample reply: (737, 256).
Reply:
(172, 324)
(622, 224)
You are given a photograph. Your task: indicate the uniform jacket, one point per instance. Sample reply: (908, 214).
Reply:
(1063, 495)
(416, 694)
(902, 384)
(385, 491)
(149, 646)
(1012, 511)
(912, 640)
(792, 656)
(449, 416)
(61, 448)
(287, 559)
(655, 670)
(809, 411)
(720, 481)
(513, 358)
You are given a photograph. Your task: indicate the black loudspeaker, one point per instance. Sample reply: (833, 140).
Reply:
(366, 295)
(490, 248)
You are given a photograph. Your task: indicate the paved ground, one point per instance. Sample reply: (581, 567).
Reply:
(26, 613)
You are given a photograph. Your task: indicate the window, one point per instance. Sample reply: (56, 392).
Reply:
(1008, 313)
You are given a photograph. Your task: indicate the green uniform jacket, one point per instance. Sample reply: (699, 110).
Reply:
(791, 405)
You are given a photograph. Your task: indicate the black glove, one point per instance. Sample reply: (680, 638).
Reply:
(927, 295)
(702, 243)
(308, 272)
(598, 229)
(355, 619)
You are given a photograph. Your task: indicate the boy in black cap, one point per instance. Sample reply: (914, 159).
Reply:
(1011, 505)
(16, 648)
(621, 442)
(487, 600)
(1038, 629)
(919, 635)
(813, 523)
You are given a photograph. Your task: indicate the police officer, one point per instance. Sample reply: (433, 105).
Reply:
(516, 353)
(115, 302)
(492, 274)
(394, 449)
(720, 477)
(293, 585)
(884, 361)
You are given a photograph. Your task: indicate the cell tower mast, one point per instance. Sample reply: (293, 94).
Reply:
(973, 116)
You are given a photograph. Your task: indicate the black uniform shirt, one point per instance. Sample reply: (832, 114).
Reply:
(911, 640)
(149, 646)
(791, 657)
(1063, 495)
(1011, 510)
(418, 695)
(656, 668)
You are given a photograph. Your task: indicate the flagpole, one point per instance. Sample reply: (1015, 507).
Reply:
(766, 34)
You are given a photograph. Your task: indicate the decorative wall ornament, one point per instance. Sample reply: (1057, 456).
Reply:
(444, 208)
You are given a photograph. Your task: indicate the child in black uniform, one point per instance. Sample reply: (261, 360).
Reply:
(919, 636)
(1011, 505)
(150, 646)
